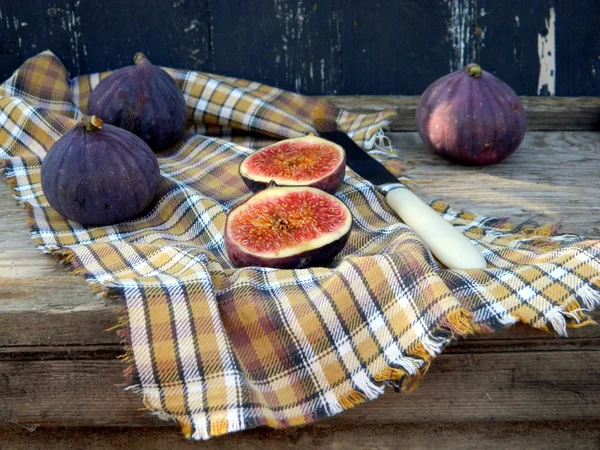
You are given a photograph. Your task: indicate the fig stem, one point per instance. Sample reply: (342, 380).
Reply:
(92, 123)
(139, 56)
(474, 70)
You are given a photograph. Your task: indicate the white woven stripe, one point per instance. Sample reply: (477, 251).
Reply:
(17, 129)
(492, 307)
(185, 339)
(202, 174)
(366, 304)
(310, 361)
(198, 143)
(228, 363)
(140, 342)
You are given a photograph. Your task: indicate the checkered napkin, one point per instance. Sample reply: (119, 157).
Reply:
(221, 349)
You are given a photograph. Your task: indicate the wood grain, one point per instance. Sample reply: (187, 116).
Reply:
(543, 113)
(470, 436)
(551, 177)
(42, 305)
(459, 388)
(58, 367)
(316, 47)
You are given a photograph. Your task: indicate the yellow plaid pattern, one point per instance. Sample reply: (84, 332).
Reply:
(221, 349)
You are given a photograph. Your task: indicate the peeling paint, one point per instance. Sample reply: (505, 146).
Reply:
(193, 24)
(460, 28)
(323, 75)
(547, 56)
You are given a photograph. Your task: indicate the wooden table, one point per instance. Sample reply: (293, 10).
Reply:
(58, 365)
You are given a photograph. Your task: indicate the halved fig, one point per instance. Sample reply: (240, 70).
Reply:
(287, 227)
(305, 161)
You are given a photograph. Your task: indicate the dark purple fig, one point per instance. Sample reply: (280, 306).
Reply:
(287, 227)
(143, 99)
(98, 174)
(305, 161)
(471, 117)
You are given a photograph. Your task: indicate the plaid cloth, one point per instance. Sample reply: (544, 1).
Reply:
(221, 349)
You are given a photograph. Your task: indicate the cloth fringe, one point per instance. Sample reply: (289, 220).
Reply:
(402, 372)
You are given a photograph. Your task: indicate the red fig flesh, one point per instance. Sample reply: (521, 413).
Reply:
(471, 117)
(306, 161)
(287, 228)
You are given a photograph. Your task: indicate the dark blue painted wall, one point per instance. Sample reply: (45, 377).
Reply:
(539, 47)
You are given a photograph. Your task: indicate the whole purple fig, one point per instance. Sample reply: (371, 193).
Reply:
(471, 117)
(98, 174)
(143, 99)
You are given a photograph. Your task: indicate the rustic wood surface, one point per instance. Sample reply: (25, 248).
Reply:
(58, 366)
(543, 113)
(472, 436)
(83, 390)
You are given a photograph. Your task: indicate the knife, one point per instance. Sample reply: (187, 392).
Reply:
(448, 244)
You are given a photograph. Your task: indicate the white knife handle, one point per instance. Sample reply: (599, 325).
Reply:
(447, 243)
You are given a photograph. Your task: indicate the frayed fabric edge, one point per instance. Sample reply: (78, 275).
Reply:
(573, 313)
(403, 373)
(379, 138)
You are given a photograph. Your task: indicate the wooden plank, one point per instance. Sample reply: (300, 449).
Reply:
(408, 59)
(509, 38)
(52, 328)
(110, 34)
(463, 388)
(28, 28)
(543, 113)
(578, 71)
(91, 38)
(314, 47)
(40, 304)
(292, 45)
(552, 177)
(471, 436)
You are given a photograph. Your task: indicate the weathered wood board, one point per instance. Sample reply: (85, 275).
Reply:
(515, 388)
(508, 386)
(35, 289)
(468, 436)
(58, 361)
(543, 113)
(539, 47)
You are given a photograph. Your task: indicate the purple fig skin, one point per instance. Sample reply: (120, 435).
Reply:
(329, 183)
(99, 176)
(143, 99)
(471, 117)
(314, 257)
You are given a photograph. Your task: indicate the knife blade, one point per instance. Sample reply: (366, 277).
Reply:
(447, 243)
